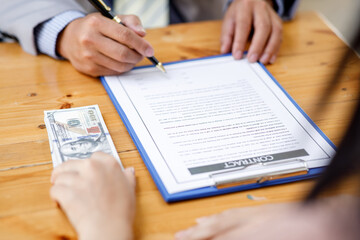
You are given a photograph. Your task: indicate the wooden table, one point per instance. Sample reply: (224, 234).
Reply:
(29, 85)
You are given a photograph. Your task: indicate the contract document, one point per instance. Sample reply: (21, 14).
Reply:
(214, 119)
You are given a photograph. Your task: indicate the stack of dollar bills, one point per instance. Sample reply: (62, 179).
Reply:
(77, 133)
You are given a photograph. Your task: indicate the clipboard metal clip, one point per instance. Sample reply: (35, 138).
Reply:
(260, 173)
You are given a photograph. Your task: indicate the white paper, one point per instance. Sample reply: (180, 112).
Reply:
(214, 115)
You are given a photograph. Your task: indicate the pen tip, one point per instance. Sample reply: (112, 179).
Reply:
(161, 67)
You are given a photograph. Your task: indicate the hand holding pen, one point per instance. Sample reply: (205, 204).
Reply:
(99, 46)
(105, 10)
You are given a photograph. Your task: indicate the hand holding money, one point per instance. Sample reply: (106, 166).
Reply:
(77, 133)
(80, 133)
(97, 196)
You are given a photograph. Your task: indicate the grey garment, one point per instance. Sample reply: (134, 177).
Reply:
(200, 10)
(19, 18)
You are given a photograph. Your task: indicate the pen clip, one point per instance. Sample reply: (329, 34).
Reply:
(107, 8)
(274, 170)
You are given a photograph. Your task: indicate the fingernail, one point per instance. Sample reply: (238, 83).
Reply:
(238, 55)
(265, 58)
(201, 219)
(253, 57)
(273, 59)
(223, 48)
(52, 178)
(149, 52)
(131, 169)
(180, 235)
(140, 29)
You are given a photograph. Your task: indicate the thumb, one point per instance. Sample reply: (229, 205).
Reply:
(134, 23)
(130, 176)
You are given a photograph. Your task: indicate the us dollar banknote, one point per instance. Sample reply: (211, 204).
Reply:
(77, 133)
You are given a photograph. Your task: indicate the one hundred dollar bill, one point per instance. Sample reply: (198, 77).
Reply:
(77, 133)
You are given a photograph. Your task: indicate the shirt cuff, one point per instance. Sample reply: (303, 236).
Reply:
(46, 34)
(279, 7)
(227, 4)
(286, 12)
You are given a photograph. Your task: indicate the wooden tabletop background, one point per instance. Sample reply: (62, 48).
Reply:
(29, 85)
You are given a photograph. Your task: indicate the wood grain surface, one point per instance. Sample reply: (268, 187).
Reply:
(29, 85)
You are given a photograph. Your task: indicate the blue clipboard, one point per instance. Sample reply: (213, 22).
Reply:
(211, 190)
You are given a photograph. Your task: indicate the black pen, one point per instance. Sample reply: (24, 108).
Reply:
(105, 10)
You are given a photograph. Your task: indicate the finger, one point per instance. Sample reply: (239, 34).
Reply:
(234, 213)
(107, 161)
(262, 29)
(62, 195)
(95, 64)
(212, 225)
(232, 234)
(69, 166)
(112, 65)
(196, 233)
(110, 48)
(127, 37)
(207, 228)
(227, 34)
(129, 173)
(130, 176)
(274, 43)
(101, 156)
(133, 22)
(242, 29)
(69, 179)
(117, 52)
(94, 69)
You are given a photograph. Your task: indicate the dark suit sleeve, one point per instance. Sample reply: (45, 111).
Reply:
(286, 8)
